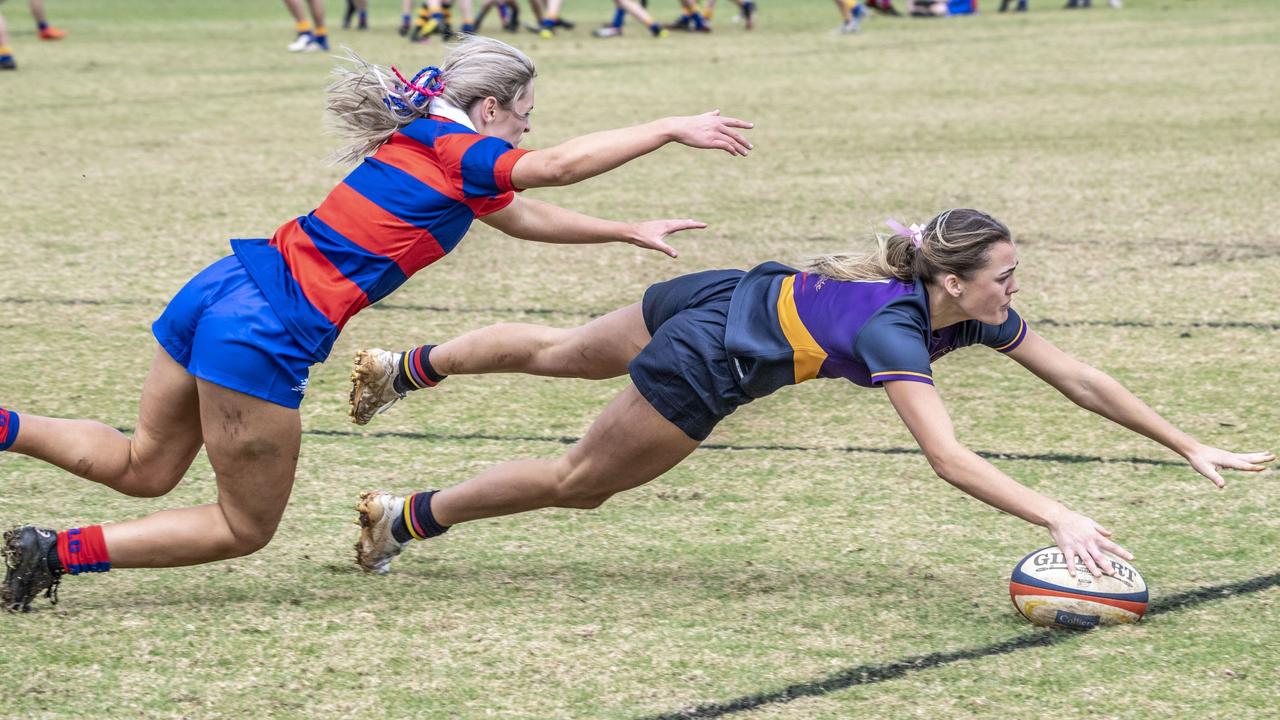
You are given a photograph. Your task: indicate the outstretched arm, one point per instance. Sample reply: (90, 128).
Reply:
(530, 219)
(926, 417)
(590, 155)
(1100, 393)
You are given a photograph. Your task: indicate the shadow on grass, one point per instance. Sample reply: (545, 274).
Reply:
(870, 674)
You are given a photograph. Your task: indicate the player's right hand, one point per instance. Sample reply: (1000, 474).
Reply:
(710, 131)
(1079, 537)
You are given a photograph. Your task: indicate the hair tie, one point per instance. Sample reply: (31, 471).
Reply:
(433, 78)
(411, 95)
(915, 232)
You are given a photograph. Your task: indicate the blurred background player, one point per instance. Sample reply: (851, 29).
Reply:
(356, 10)
(6, 55)
(883, 6)
(1022, 5)
(508, 13)
(692, 19)
(851, 14)
(1117, 4)
(622, 7)
(435, 17)
(44, 30)
(311, 38)
(549, 18)
(746, 12)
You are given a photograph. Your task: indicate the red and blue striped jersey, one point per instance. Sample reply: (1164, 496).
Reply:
(404, 207)
(785, 327)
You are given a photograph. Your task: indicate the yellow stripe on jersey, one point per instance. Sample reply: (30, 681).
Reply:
(900, 372)
(809, 355)
(1022, 324)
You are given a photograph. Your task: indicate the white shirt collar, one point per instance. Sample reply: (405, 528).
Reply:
(444, 108)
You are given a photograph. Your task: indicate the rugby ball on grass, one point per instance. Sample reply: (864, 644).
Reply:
(1046, 594)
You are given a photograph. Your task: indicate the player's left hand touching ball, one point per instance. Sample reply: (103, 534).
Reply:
(652, 235)
(1080, 537)
(1209, 460)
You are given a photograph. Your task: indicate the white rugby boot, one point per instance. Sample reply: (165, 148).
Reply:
(373, 389)
(377, 547)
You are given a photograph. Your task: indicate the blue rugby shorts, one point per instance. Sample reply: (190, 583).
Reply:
(221, 329)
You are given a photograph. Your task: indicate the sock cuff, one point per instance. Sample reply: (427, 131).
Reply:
(83, 550)
(303, 27)
(418, 517)
(416, 368)
(9, 421)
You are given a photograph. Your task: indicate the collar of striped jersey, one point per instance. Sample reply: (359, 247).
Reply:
(444, 108)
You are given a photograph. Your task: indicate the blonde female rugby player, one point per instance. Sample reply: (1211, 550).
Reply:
(436, 152)
(700, 345)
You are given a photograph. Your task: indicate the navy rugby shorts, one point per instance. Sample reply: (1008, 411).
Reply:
(221, 329)
(684, 370)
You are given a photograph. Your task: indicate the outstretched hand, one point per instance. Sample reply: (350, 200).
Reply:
(1209, 460)
(1079, 537)
(710, 131)
(652, 234)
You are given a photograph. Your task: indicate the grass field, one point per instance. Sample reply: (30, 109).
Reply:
(807, 563)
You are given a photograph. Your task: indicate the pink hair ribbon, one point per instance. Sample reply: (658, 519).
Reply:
(433, 75)
(915, 232)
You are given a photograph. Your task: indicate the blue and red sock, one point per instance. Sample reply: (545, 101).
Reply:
(9, 423)
(83, 550)
(417, 522)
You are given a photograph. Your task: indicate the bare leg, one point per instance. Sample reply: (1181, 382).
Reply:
(536, 7)
(627, 446)
(600, 349)
(253, 447)
(295, 9)
(4, 33)
(37, 11)
(317, 12)
(467, 11)
(637, 10)
(150, 463)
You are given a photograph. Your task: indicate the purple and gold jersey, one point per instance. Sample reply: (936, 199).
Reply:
(786, 326)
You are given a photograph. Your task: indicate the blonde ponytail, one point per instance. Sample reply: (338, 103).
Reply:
(368, 103)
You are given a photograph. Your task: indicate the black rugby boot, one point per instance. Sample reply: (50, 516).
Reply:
(27, 571)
